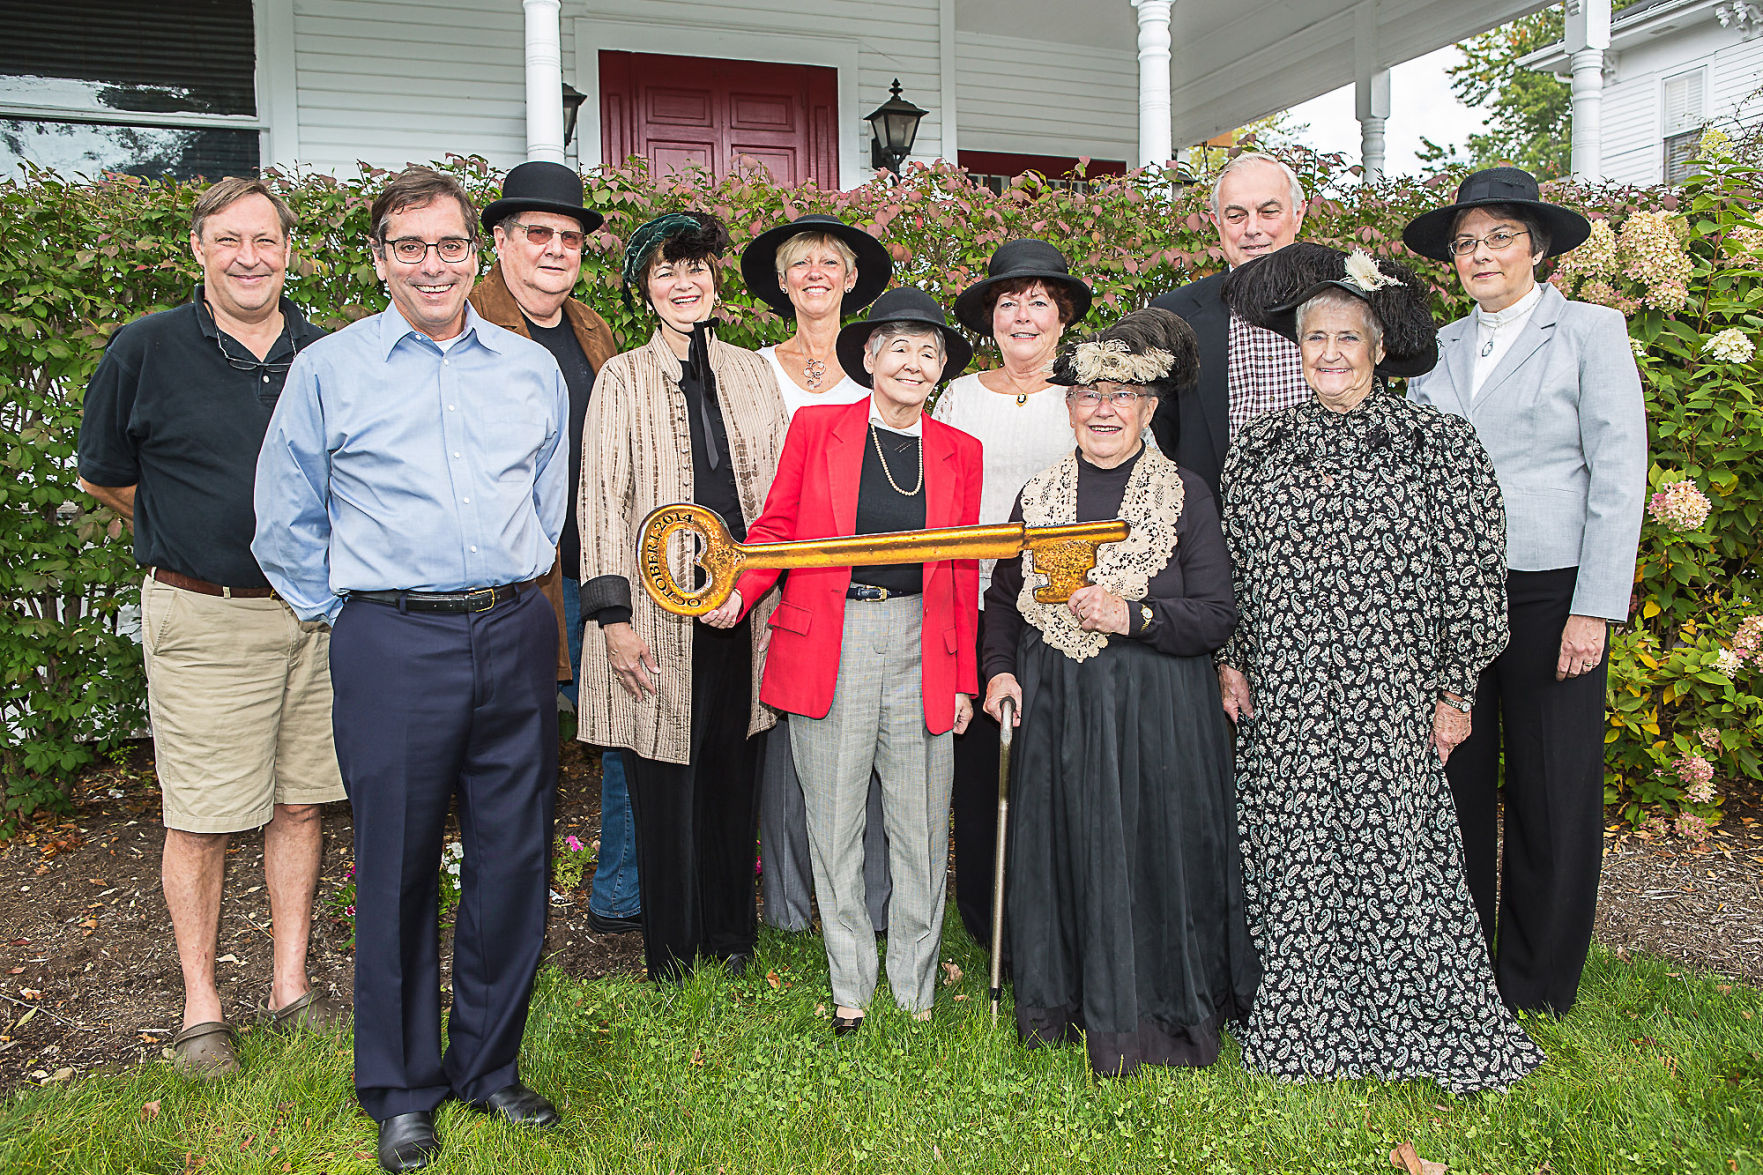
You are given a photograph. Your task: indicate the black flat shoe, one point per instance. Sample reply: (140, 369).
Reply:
(601, 924)
(846, 1025)
(408, 1142)
(520, 1106)
(736, 965)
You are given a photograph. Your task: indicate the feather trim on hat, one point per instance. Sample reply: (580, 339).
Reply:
(1112, 359)
(1363, 272)
(1151, 347)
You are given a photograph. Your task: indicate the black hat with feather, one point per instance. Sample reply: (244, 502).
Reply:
(1153, 348)
(1269, 290)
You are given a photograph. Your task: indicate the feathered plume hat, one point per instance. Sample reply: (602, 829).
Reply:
(1152, 347)
(1268, 291)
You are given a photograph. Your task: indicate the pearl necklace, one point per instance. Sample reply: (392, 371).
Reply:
(875, 435)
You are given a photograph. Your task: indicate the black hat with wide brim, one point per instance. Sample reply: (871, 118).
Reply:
(1268, 291)
(909, 305)
(875, 266)
(1429, 234)
(1025, 259)
(541, 186)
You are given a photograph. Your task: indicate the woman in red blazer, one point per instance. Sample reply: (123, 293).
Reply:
(878, 662)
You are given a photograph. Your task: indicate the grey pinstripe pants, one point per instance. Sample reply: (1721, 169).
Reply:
(877, 722)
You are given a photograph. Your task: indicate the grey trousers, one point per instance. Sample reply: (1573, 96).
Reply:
(877, 724)
(787, 882)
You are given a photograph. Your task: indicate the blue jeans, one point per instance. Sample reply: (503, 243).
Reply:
(614, 893)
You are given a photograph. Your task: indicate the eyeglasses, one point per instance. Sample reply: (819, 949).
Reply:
(412, 250)
(237, 364)
(1498, 241)
(541, 234)
(1091, 398)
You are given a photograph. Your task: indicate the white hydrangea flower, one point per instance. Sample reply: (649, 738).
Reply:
(1728, 662)
(1639, 348)
(1730, 346)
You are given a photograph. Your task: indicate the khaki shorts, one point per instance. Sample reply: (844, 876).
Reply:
(239, 693)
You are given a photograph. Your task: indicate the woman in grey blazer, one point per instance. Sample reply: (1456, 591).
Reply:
(1552, 390)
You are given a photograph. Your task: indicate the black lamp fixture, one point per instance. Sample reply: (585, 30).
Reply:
(572, 105)
(893, 127)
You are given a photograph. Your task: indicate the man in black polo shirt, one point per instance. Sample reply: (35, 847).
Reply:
(238, 687)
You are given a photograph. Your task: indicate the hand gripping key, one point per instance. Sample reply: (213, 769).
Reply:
(1064, 554)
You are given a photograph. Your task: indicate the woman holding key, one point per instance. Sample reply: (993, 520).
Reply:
(876, 665)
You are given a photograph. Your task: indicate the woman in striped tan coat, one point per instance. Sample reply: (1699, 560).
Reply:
(683, 418)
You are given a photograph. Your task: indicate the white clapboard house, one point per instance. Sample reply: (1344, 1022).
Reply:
(214, 87)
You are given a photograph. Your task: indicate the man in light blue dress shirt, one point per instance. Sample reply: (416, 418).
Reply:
(411, 488)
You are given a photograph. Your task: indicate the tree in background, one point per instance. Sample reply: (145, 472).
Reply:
(1529, 114)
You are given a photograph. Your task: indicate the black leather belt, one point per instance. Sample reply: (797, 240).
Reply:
(475, 600)
(863, 591)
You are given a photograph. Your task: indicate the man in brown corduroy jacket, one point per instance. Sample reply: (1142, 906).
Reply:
(540, 227)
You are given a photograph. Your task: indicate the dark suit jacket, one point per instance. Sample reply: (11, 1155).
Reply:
(1193, 429)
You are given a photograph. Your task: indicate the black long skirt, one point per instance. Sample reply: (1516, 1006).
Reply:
(1124, 898)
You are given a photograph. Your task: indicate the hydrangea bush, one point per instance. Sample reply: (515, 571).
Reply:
(79, 258)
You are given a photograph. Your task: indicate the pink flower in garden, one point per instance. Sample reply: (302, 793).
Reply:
(1748, 640)
(1691, 827)
(1700, 793)
(349, 910)
(1709, 737)
(1693, 769)
(1652, 253)
(1655, 826)
(574, 845)
(1680, 505)
(1728, 662)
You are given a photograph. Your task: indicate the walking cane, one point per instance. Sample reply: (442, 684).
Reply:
(1006, 712)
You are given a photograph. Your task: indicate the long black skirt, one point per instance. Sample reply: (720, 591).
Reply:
(1124, 897)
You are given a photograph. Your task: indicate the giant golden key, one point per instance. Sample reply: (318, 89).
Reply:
(1064, 554)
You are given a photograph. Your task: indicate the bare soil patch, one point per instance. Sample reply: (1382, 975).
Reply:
(89, 975)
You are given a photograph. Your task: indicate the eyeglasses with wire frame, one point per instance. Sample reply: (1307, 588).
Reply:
(1091, 398)
(412, 250)
(1498, 241)
(573, 240)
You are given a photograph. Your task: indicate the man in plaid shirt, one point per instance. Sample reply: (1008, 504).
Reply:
(1257, 206)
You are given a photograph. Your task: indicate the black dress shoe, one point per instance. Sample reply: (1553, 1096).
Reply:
(408, 1142)
(602, 924)
(736, 965)
(520, 1106)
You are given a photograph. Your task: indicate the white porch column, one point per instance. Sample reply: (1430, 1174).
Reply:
(1588, 36)
(544, 80)
(1372, 99)
(1154, 114)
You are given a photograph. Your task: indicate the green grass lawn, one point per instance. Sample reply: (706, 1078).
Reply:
(1659, 1069)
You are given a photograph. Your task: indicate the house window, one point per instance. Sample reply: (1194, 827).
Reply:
(1684, 117)
(160, 89)
(995, 169)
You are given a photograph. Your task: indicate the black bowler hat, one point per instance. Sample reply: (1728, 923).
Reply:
(1268, 290)
(1024, 259)
(759, 262)
(902, 304)
(1429, 234)
(540, 186)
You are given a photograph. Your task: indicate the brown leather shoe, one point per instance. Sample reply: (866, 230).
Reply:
(312, 1012)
(205, 1050)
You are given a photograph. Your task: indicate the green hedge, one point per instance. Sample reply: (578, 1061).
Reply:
(80, 258)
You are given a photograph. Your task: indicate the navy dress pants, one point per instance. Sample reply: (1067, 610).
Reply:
(1538, 903)
(430, 705)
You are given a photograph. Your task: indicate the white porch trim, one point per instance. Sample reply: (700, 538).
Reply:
(278, 94)
(755, 43)
(1588, 36)
(1154, 102)
(544, 80)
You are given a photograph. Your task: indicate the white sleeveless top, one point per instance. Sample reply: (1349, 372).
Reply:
(846, 391)
(1017, 440)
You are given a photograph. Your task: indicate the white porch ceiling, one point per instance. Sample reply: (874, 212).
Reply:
(1234, 61)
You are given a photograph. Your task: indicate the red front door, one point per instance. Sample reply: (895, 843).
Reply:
(678, 111)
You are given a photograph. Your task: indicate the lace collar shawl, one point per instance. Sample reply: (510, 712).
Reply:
(1152, 503)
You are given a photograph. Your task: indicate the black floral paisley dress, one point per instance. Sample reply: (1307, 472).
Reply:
(1369, 570)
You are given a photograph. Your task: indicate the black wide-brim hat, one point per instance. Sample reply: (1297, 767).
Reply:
(1429, 234)
(1268, 291)
(902, 304)
(541, 186)
(1025, 259)
(875, 266)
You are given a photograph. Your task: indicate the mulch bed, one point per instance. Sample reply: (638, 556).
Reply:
(89, 976)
